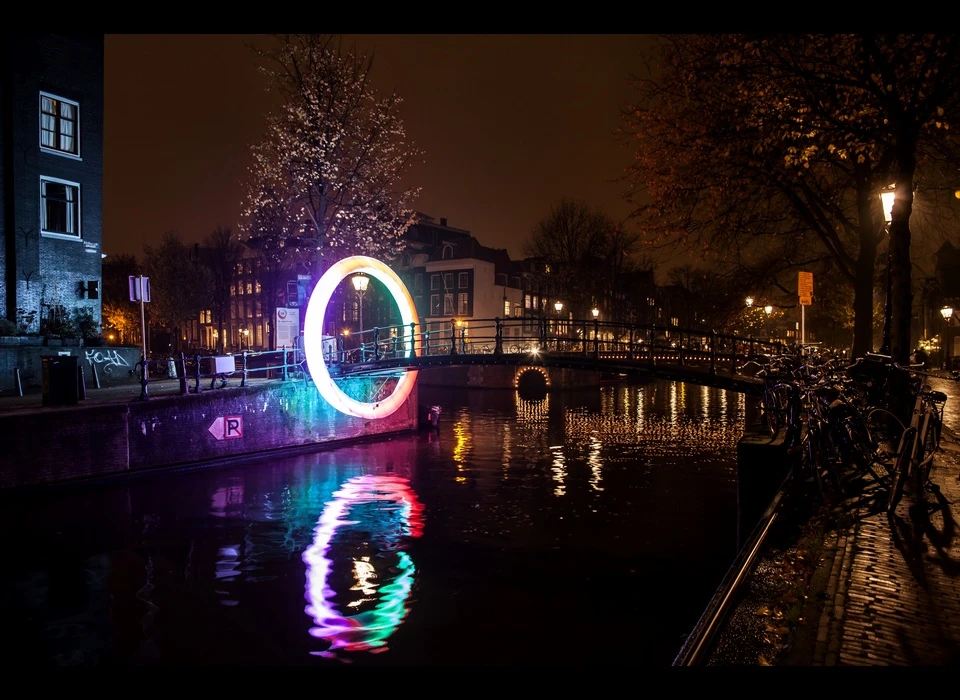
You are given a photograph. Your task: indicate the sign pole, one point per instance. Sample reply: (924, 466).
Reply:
(803, 326)
(143, 320)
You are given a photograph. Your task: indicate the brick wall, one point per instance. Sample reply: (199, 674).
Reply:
(62, 444)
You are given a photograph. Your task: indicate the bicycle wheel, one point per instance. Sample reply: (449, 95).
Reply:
(901, 468)
(774, 407)
(931, 442)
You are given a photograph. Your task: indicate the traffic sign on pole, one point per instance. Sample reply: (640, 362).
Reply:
(805, 286)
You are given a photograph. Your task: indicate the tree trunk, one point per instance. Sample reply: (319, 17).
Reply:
(863, 296)
(900, 267)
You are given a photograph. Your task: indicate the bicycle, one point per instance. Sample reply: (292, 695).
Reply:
(918, 443)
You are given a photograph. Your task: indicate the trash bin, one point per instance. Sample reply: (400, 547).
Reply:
(59, 380)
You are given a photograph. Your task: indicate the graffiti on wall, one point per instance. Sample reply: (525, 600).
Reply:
(107, 360)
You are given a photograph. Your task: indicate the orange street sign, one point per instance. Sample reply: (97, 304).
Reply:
(806, 301)
(805, 285)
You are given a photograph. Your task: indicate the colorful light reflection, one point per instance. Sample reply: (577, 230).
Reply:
(367, 630)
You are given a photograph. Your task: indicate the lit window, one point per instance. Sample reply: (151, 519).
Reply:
(516, 309)
(674, 321)
(249, 288)
(58, 125)
(462, 304)
(506, 307)
(447, 304)
(434, 304)
(257, 288)
(60, 213)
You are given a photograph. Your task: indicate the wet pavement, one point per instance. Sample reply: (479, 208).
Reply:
(876, 590)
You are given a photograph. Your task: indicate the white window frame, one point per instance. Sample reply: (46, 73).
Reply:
(43, 209)
(463, 280)
(76, 126)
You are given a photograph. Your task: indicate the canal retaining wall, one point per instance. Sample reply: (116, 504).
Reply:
(507, 376)
(77, 442)
(114, 364)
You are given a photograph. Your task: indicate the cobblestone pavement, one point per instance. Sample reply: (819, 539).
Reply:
(886, 591)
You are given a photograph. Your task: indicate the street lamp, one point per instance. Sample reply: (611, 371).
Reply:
(749, 301)
(360, 283)
(768, 309)
(947, 313)
(887, 197)
(595, 312)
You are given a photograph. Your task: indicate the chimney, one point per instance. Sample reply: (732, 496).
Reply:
(443, 221)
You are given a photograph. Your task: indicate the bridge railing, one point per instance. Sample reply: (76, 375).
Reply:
(540, 334)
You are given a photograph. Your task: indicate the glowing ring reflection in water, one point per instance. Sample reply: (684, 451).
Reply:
(313, 336)
(370, 629)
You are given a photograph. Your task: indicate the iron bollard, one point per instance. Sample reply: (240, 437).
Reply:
(243, 379)
(16, 377)
(81, 384)
(183, 375)
(144, 378)
(96, 375)
(196, 388)
(283, 350)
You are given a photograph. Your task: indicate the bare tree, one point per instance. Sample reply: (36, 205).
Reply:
(223, 250)
(179, 284)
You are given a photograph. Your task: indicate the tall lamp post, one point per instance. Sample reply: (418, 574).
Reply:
(947, 313)
(886, 200)
(559, 307)
(360, 283)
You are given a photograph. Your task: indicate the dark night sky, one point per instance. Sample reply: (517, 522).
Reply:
(509, 124)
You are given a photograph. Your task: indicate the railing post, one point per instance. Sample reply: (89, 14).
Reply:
(453, 338)
(498, 339)
(376, 344)
(543, 332)
(16, 378)
(733, 355)
(426, 343)
(713, 352)
(283, 354)
(596, 339)
(653, 336)
(463, 341)
(183, 375)
(680, 349)
(396, 347)
(144, 378)
(196, 372)
(413, 339)
(81, 383)
(341, 352)
(243, 376)
(630, 354)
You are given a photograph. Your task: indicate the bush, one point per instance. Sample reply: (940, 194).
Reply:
(8, 327)
(86, 324)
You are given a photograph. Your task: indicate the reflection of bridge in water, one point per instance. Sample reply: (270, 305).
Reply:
(697, 356)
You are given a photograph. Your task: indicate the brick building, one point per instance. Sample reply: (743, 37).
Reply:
(51, 174)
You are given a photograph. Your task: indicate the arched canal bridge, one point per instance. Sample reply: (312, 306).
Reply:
(697, 356)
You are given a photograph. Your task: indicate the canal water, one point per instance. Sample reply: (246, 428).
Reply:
(590, 527)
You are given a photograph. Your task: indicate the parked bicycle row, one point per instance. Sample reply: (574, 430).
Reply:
(872, 419)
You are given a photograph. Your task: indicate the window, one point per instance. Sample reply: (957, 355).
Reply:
(463, 280)
(249, 288)
(257, 288)
(418, 282)
(463, 305)
(233, 290)
(434, 304)
(674, 321)
(58, 125)
(447, 281)
(526, 301)
(506, 307)
(60, 212)
(516, 309)
(448, 305)
(434, 282)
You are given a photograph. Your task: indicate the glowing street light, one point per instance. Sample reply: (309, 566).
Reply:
(947, 313)
(559, 307)
(595, 312)
(360, 283)
(749, 301)
(768, 309)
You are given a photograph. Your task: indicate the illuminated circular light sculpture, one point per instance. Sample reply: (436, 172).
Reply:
(368, 630)
(313, 336)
